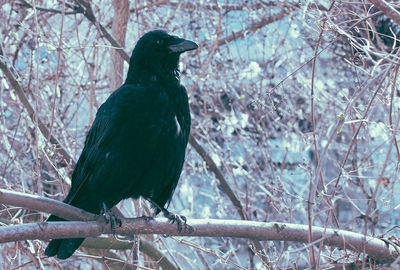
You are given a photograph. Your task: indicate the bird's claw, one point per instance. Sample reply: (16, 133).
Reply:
(111, 218)
(182, 226)
(180, 220)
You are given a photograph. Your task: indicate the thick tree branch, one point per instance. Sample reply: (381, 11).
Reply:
(388, 9)
(119, 27)
(44, 204)
(376, 248)
(382, 251)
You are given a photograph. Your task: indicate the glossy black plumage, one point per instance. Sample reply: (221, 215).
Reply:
(136, 145)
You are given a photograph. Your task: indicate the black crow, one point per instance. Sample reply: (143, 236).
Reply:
(136, 145)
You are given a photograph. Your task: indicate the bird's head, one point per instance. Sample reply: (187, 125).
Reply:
(157, 54)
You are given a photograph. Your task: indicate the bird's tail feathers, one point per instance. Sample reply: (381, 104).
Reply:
(63, 248)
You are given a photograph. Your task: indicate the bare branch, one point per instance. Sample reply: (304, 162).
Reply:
(119, 27)
(43, 204)
(253, 27)
(378, 249)
(388, 9)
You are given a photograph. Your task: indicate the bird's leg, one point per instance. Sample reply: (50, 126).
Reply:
(180, 220)
(110, 217)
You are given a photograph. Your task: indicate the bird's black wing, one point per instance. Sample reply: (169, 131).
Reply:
(119, 146)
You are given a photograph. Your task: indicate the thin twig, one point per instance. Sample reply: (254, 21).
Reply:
(392, 128)
(36, 101)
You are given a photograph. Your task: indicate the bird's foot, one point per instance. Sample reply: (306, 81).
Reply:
(181, 224)
(110, 218)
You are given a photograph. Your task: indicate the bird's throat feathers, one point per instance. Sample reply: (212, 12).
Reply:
(148, 70)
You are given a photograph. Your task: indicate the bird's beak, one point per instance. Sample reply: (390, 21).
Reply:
(183, 46)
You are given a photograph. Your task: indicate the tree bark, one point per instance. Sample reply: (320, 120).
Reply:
(119, 26)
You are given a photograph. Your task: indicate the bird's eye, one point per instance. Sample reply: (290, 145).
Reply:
(160, 41)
